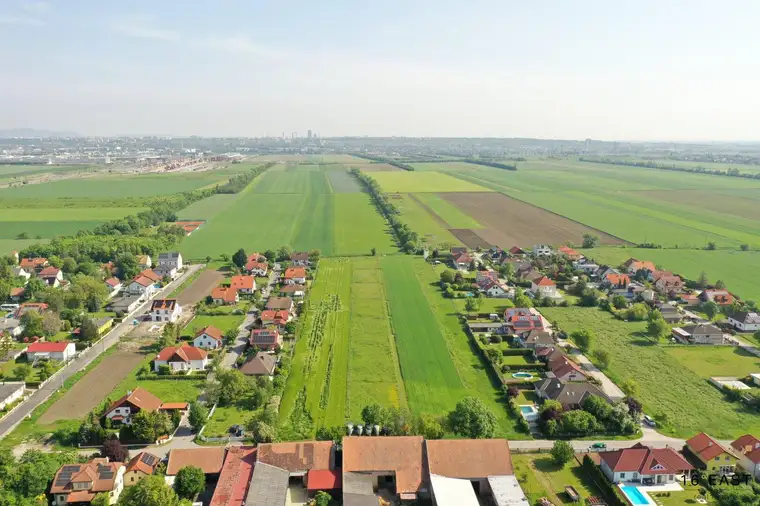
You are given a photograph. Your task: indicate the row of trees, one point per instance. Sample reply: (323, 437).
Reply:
(407, 239)
(488, 163)
(382, 159)
(238, 183)
(733, 172)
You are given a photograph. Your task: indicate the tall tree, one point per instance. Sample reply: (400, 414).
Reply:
(197, 415)
(239, 258)
(562, 452)
(584, 338)
(472, 418)
(190, 482)
(150, 491)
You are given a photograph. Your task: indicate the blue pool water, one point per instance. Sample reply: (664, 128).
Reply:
(635, 495)
(527, 409)
(525, 375)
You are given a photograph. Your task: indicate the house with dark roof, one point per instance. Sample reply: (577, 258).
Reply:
(261, 364)
(642, 464)
(280, 304)
(715, 458)
(208, 338)
(669, 312)
(266, 339)
(300, 258)
(165, 310)
(745, 321)
(51, 276)
(141, 465)
(700, 333)
(747, 448)
(536, 339)
(169, 264)
(182, 358)
(80, 483)
(570, 394)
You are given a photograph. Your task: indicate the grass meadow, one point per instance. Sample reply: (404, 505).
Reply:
(449, 213)
(359, 227)
(732, 266)
(207, 208)
(418, 182)
(680, 399)
(8, 245)
(420, 220)
(48, 223)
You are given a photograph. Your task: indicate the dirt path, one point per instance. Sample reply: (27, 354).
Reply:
(89, 392)
(202, 286)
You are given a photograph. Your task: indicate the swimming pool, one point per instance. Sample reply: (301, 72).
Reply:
(522, 375)
(635, 495)
(527, 410)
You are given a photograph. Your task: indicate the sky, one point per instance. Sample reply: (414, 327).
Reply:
(671, 70)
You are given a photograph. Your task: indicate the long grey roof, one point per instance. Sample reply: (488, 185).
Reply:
(269, 486)
(569, 392)
(6, 389)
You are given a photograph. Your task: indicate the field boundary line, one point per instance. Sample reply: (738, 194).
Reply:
(430, 211)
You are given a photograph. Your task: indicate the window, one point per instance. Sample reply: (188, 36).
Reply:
(717, 459)
(622, 475)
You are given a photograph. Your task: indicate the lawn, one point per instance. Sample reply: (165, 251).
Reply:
(708, 361)
(540, 477)
(225, 417)
(432, 382)
(732, 267)
(168, 390)
(681, 401)
(417, 182)
(223, 323)
(359, 227)
(454, 217)
(207, 208)
(47, 223)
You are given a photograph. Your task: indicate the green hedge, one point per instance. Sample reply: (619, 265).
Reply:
(611, 493)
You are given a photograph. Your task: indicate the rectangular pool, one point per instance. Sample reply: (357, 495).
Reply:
(527, 410)
(635, 495)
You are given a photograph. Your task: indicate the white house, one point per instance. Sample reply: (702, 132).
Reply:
(745, 322)
(169, 261)
(144, 261)
(51, 276)
(243, 284)
(11, 326)
(209, 338)
(141, 286)
(544, 287)
(132, 403)
(182, 358)
(20, 272)
(542, 250)
(165, 310)
(499, 290)
(113, 285)
(748, 449)
(300, 258)
(10, 392)
(295, 276)
(639, 463)
(62, 350)
(256, 268)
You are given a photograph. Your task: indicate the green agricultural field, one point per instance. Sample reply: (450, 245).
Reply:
(8, 245)
(449, 213)
(13, 173)
(418, 182)
(314, 229)
(301, 179)
(207, 208)
(431, 380)
(733, 267)
(681, 401)
(341, 181)
(358, 226)
(47, 223)
(431, 230)
(709, 361)
(344, 358)
(149, 185)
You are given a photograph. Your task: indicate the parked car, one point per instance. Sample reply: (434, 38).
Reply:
(599, 446)
(649, 421)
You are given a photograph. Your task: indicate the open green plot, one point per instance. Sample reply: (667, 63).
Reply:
(735, 268)
(418, 182)
(295, 179)
(341, 181)
(431, 230)
(430, 378)
(223, 323)
(315, 224)
(47, 223)
(709, 361)
(150, 185)
(42, 229)
(11, 173)
(359, 227)
(449, 213)
(207, 208)
(681, 401)
(540, 477)
(8, 245)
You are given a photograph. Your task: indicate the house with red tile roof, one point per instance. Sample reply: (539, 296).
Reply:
(243, 284)
(141, 286)
(182, 358)
(34, 264)
(632, 266)
(30, 306)
(41, 350)
(564, 369)
(294, 276)
(141, 465)
(544, 287)
(266, 339)
(276, 318)
(747, 448)
(516, 251)
(524, 323)
(80, 483)
(51, 276)
(113, 285)
(223, 295)
(235, 478)
(124, 409)
(16, 294)
(461, 261)
(617, 281)
(569, 252)
(715, 458)
(667, 283)
(256, 268)
(641, 463)
(151, 275)
(720, 297)
(165, 310)
(209, 338)
(210, 460)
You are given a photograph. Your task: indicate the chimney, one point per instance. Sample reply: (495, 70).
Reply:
(709, 443)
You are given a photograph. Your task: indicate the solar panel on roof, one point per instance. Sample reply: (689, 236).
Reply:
(70, 469)
(149, 459)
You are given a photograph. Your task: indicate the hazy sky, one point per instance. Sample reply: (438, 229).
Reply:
(639, 70)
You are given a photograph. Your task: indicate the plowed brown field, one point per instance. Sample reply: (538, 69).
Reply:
(509, 222)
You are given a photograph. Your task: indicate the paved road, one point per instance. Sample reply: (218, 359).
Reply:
(609, 388)
(9, 422)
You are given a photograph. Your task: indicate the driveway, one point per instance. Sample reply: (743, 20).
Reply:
(609, 388)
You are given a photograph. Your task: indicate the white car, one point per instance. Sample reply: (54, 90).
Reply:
(649, 421)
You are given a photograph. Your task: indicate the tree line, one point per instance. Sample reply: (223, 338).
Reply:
(382, 159)
(662, 166)
(407, 239)
(498, 165)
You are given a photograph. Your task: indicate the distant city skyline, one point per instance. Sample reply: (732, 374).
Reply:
(647, 71)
